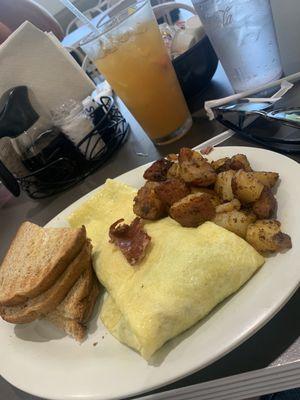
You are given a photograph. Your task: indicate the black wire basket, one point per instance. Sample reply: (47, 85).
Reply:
(60, 173)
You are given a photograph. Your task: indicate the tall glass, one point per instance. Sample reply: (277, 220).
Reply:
(130, 53)
(243, 36)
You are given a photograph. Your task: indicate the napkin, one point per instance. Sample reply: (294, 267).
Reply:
(285, 85)
(38, 60)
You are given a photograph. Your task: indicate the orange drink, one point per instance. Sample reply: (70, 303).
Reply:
(130, 53)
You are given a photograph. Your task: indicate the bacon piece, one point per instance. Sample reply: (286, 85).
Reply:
(206, 150)
(131, 239)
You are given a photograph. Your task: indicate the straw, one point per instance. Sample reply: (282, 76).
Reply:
(79, 15)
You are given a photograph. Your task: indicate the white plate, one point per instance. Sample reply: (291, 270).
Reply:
(38, 359)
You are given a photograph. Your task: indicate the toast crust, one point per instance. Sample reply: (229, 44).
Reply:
(91, 302)
(73, 306)
(69, 326)
(74, 327)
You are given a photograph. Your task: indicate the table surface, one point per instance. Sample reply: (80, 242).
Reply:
(274, 348)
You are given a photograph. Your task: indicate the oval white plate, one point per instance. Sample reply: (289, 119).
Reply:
(38, 359)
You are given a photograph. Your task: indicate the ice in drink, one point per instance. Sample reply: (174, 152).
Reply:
(243, 36)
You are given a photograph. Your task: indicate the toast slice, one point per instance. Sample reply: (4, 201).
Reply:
(73, 327)
(91, 302)
(74, 304)
(35, 260)
(69, 326)
(49, 300)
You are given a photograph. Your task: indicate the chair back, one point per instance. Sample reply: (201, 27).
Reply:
(14, 13)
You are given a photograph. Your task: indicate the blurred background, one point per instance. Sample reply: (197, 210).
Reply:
(286, 18)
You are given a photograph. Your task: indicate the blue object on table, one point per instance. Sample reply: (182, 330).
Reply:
(293, 394)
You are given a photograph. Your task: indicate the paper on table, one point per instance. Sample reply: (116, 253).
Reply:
(36, 59)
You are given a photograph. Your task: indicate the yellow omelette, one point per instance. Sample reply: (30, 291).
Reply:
(184, 275)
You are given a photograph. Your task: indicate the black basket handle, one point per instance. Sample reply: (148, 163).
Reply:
(8, 180)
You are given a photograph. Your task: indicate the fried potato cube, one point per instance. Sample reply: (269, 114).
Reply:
(221, 165)
(266, 205)
(213, 195)
(240, 161)
(193, 210)
(147, 204)
(235, 221)
(246, 187)
(195, 169)
(186, 153)
(172, 157)
(157, 172)
(265, 235)
(268, 179)
(174, 171)
(223, 186)
(232, 205)
(172, 190)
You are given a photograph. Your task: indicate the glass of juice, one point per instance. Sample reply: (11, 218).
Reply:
(130, 53)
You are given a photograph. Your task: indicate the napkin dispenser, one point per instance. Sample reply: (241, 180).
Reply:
(34, 138)
(16, 112)
(52, 160)
(37, 154)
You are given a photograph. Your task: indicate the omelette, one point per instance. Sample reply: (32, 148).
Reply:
(186, 271)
